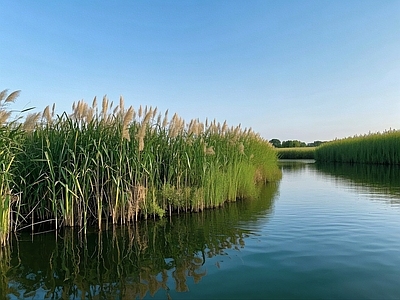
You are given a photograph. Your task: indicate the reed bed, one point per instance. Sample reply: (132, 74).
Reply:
(116, 165)
(296, 153)
(372, 148)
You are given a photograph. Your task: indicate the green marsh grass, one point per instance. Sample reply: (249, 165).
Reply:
(373, 148)
(115, 165)
(296, 153)
(9, 146)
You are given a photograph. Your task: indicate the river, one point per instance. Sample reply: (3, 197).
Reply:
(321, 232)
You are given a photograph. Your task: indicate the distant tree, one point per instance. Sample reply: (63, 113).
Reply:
(293, 143)
(276, 143)
(315, 144)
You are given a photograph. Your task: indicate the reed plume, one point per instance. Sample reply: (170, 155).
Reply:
(210, 150)
(122, 106)
(11, 98)
(30, 122)
(127, 119)
(4, 115)
(165, 120)
(53, 110)
(224, 128)
(241, 148)
(104, 107)
(3, 95)
(94, 103)
(159, 119)
(142, 130)
(46, 114)
(140, 112)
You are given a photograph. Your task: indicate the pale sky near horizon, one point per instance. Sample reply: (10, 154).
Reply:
(305, 70)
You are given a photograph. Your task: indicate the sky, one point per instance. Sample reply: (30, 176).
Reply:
(291, 70)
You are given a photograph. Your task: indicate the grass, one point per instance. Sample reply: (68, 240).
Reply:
(117, 165)
(373, 148)
(296, 153)
(9, 146)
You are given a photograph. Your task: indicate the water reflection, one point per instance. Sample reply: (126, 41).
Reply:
(126, 262)
(293, 165)
(378, 181)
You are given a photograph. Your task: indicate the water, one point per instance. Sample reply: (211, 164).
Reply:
(322, 232)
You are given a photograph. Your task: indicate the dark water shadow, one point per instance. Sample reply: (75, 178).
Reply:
(127, 262)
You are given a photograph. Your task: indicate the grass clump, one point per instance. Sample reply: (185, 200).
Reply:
(116, 165)
(372, 148)
(296, 153)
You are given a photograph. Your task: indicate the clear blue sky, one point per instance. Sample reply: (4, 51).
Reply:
(307, 70)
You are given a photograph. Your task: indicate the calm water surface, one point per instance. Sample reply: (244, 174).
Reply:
(322, 232)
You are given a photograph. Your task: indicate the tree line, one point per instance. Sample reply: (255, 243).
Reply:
(293, 143)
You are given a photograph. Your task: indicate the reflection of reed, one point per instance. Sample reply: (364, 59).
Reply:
(131, 261)
(382, 179)
(5, 256)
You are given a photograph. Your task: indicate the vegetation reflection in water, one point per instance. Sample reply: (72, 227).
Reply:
(377, 179)
(130, 261)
